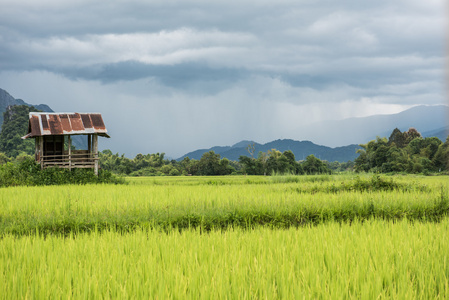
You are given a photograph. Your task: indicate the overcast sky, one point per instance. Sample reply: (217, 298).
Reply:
(176, 76)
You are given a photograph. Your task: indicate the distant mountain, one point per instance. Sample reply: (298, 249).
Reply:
(361, 130)
(428, 120)
(6, 100)
(441, 133)
(301, 149)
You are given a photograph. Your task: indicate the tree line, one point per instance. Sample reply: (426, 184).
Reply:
(156, 165)
(406, 152)
(211, 163)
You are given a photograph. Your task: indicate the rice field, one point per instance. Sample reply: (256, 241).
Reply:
(331, 237)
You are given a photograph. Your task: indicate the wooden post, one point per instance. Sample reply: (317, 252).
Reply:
(70, 151)
(89, 143)
(41, 151)
(36, 149)
(95, 146)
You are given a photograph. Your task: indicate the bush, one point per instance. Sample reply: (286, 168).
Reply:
(374, 184)
(174, 172)
(28, 172)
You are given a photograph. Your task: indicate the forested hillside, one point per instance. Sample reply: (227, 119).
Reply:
(301, 149)
(15, 125)
(7, 100)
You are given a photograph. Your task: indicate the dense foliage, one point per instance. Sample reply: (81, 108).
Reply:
(15, 125)
(406, 152)
(25, 171)
(275, 162)
(157, 165)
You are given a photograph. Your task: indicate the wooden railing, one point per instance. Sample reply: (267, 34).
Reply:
(76, 159)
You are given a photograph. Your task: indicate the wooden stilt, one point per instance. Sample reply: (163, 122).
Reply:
(36, 149)
(89, 144)
(95, 146)
(41, 151)
(70, 151)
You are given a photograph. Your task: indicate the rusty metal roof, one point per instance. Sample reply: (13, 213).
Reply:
(65, 124)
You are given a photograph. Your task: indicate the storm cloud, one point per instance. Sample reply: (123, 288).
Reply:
(191, 74)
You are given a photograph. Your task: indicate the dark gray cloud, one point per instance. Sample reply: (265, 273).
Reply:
(304, 42)
(181, 76)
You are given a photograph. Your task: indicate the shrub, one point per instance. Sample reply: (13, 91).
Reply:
(28, 172)
(174, 172)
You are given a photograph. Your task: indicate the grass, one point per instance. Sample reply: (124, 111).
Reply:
(218, 203)
(370, 260)
(286, 237)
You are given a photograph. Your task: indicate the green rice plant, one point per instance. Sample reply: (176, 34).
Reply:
(194, 203)
(287, 178)
(375, 183)
(370, 260)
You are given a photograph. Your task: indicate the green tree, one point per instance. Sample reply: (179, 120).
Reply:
(189, 166)
(361, 162)
(167, 169)
(411, 134)
(209, 164)
(427, 147)
(290, 161)
(398, 138)
(262, 161)
(225, 168)
(397, 160)
(403, 152)
(313, 165)
(249, 165)
(15, 125)
(441, 157)
(273, 163)
(141, 161)
(341, 166)
(4, 158)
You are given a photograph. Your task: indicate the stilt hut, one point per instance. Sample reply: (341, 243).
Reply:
(53, 139)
